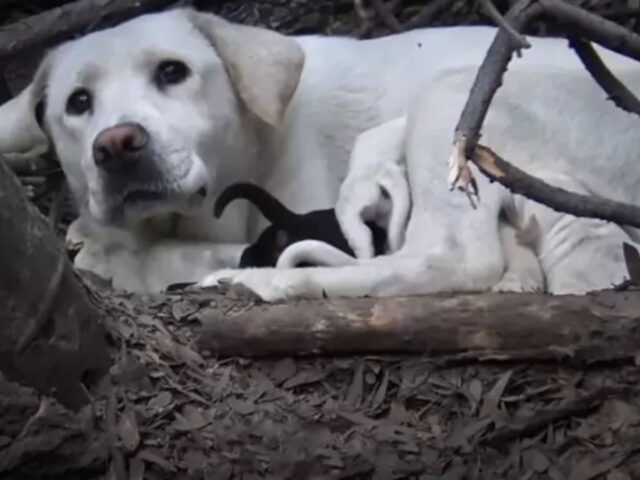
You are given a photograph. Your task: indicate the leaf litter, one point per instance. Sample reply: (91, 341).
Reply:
(183, 413)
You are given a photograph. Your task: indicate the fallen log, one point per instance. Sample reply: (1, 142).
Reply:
(51, 335)
(41, 439)
(490, 326)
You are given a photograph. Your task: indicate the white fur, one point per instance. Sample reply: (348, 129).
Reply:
(552, 120)
(285, 113)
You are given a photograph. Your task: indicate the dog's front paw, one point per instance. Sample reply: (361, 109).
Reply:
(219, 278)
(268, 283)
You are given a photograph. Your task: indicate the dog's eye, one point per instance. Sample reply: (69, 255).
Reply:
(79, 102)
(171, 72)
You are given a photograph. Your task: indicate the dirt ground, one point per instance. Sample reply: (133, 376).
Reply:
(181, 413)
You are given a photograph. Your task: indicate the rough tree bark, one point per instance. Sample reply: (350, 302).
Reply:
(51, 335)
(577, 329)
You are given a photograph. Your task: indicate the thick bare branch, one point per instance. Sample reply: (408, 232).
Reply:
(594, 27)
(559, 199)
(489, 77)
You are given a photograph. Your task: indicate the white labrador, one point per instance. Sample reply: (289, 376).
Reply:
(153, 118)
(552, 120)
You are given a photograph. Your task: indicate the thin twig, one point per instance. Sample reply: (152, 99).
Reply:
(531, 425)
(57, 201)
(422, 18)
(618, 93)
(44, 313)
(120, 471)
(62, 22)
(558, 199)
(492, 12)
(387, 15)
(363, 14)
(593, 27)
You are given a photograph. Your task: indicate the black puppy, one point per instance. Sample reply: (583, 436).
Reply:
(288, 227)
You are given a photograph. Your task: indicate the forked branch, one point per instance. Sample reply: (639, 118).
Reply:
(583, 26)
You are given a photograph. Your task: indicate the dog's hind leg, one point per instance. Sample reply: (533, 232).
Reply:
(577, 255)
(523, 272)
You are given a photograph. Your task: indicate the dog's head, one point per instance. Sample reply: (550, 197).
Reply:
(147, 117)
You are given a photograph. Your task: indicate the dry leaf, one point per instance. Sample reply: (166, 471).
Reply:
(284, 370)
(381, 393)
(240, 406)
(194, 416)
(156, 457)
(127, 429)
(492, 398)
(617, 475)
(304, 377)
(136, 469)
(160, 402)
(536, 460)
(586, 470)
(354, 395)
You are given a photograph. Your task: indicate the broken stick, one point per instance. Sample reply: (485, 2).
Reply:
(577, 329)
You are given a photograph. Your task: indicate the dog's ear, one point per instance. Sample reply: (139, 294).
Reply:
(265, 66)
(20, 131)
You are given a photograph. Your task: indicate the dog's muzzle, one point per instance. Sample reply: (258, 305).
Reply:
(134, 178)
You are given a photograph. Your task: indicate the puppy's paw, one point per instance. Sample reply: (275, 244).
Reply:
(521, 282)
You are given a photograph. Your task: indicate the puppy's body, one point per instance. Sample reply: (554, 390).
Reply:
(288, 228)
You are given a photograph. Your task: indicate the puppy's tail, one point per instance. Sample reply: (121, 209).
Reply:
(270, 207)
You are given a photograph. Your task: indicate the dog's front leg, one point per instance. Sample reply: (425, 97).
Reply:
(181, 261)
(133, 265)
(376, 188)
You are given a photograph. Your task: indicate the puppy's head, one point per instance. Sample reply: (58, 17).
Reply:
(148, 117)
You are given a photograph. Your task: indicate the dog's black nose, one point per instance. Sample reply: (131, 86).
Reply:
(118, 148)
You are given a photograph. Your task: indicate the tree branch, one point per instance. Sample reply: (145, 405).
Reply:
(597, 29)
(490, 73)
(489, 79)
(559, 199)
(617, 92)
(63, 22)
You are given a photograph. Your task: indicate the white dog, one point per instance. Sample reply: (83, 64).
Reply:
(153, 118)
(553, 121)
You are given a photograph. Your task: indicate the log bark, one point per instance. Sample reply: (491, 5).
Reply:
(574, 329)
(40, 439)
(51, 335)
